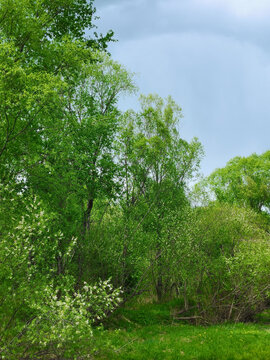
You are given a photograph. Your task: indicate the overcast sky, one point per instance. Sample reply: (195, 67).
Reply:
(212, 56)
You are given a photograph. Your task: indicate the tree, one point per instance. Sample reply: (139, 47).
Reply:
(157, 165)
(43, 45)
(244, 181)
(58, 108)
(48, 68)
(78, 165)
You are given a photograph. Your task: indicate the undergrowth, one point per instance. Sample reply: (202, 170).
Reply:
(149, 331)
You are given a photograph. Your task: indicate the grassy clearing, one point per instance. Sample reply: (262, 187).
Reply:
(148, 332)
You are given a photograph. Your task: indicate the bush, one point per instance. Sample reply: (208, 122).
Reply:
(41, 315)
(223, 264)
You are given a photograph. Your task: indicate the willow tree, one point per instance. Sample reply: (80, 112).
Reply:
(244, 181)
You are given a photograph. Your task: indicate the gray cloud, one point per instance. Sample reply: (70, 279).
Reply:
(140, 19)
(214, 63)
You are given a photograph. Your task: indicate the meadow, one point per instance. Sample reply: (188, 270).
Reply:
(148, 331)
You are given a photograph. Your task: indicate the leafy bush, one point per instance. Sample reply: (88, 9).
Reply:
(40, 313)
(222, 264)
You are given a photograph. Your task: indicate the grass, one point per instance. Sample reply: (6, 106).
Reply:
(148, 332)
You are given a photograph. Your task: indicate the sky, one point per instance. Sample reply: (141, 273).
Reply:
(211, 56)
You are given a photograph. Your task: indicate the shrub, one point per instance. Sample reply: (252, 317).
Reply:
(223, 264)
(41, 315)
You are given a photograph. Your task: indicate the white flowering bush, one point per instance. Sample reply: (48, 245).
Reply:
(63, 326)
(41, 315)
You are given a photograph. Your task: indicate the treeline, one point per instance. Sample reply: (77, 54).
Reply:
(95, 206)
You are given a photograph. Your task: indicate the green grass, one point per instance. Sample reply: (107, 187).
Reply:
(148, 332)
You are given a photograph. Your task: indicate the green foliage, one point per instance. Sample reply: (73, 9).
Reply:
(130, 231)
(244, 181)
(156, 165)
(64, 326)
(28, 22)
(223, 263)
(89, 194)
(40, 312)
(48, 68)
(43, 48)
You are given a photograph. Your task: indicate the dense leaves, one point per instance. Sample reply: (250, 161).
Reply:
(244, 181)
(88, 193)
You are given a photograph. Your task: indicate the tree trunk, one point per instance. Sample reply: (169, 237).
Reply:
(87, 216)
(85, 230)
(159, 281)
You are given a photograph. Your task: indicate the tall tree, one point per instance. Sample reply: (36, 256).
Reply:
(78, 164)
(50, 116)
(42, 46)
(157, 165)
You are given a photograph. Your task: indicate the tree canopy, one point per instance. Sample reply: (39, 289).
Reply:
(244, 180)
